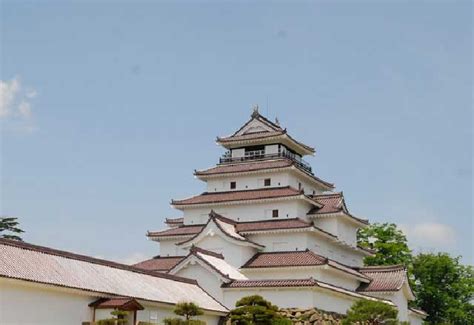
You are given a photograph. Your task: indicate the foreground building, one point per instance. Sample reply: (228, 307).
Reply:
(40, 285)
(267, 225)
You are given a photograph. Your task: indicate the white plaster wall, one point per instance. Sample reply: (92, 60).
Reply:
(235, 255)
(399, 299)
(294, 297)
(249, 212)
(25, 303)
(169, 248)
(254, 181)
(319, 273)
(156, 314)
(281, 241)
(342, 228)
(207, 280)
(247, 182)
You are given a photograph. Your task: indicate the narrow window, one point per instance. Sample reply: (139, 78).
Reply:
(275, 213)
(233, 185)
(299, 186)
(267, 182)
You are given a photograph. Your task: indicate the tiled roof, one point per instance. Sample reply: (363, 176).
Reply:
(332, 203)
(418, 311)
(124, 303)
(384, 278)
(284, 259)
(215, 261)
(249, 226)
(257, 166)
(184, 230)
(227, 226)
(281, 283)
(26, 262)
(296, 258)
(173, 221)
(229, 196)
(160, 264)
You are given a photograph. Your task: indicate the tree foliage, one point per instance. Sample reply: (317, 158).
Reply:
(9, 227)
(118, 317)
(187, 309)
(389, 242)
(444, 288)
(371, 312)
(256, 310)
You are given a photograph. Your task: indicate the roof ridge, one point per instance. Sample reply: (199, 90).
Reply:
(253, 190)
(273, 220)
(195, 249)
(382, 268)
(89, 259)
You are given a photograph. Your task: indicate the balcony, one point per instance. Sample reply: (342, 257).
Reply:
(260, 155)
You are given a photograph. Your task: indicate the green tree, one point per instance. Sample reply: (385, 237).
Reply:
(256, 310)
(371, 312)
(118, 317)
(9, 225)
(187, 309)
(388, 242)
(444, 288)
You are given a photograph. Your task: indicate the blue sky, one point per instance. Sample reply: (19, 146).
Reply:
(108, 107)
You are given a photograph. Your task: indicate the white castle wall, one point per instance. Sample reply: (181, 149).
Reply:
(210, 282)
(345, 230)
(319, 273)
(303, 297)
(249, 212)
(255, 181)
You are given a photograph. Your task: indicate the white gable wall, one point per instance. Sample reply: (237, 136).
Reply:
(169, 248)
(207, 280)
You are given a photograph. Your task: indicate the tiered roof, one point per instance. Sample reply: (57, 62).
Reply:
(333, 204)
(266, 132)
(274, 193)
(298, 283)
(385, 278)
(260, 166)
(298, 259)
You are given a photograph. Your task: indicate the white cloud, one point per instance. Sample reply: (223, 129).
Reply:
(430, 235)
(15, 105)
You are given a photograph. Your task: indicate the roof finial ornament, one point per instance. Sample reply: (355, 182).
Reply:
(277, 122)
(255, 110)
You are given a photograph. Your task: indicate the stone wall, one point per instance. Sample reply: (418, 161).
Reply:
(311, 316)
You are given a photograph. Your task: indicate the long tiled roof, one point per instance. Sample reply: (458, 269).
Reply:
(26, 262)
(229, 196)
(159, 263)
(384, 278)
(123, 303)
(282, 283)
(332, 203)
(247, 167)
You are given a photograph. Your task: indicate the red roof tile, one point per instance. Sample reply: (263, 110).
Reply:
(159, 263)
(122, 303)
(229, 196)
(285, 259)
(184, 230)
(384, 278)
(173, 221)
(332, 203)
(271, 283)
(256, 166)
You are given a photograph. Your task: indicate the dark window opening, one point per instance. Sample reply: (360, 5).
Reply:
(275, 213)
(267, 182)
(233, 185)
